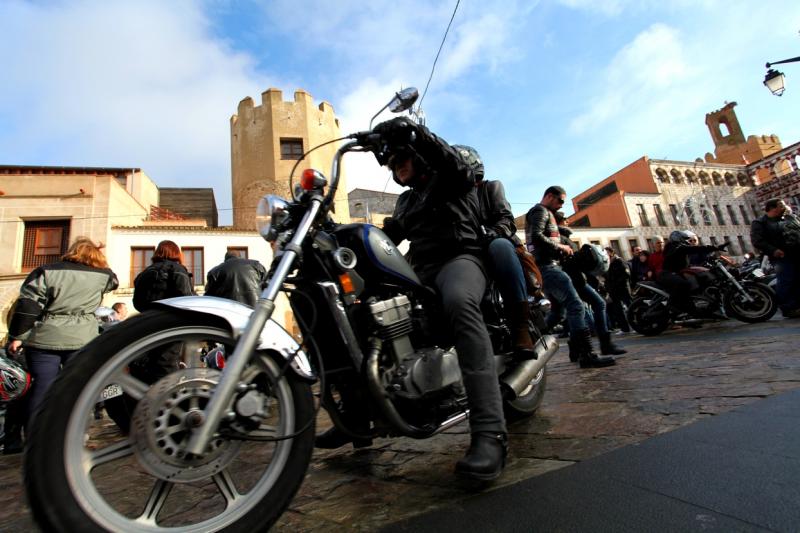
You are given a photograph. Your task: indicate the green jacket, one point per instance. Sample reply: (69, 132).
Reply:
(56, 305)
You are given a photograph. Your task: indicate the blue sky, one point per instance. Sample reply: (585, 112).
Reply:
(550, 92)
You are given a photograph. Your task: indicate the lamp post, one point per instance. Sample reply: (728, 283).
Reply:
(775, 80)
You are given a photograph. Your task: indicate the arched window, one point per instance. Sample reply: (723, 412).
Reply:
(717, 178)
(663, 177)
(743, 180)
(676, 176)
(729, 179)
(691, 177)
(704, 178)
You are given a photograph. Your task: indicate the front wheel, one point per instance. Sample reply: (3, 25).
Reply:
(762, 307)
(84, 475)
(648, 316)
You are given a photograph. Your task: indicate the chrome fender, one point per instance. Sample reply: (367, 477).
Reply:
(273, 337)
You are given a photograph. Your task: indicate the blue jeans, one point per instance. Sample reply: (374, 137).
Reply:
(788, 284)
(44, 366)
(598, 305)
(558, 287)
(507, 271)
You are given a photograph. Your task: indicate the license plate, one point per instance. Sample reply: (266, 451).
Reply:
(112, 391)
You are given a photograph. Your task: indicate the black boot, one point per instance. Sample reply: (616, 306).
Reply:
(519, 317)
(573, 352)
(336, 438)
(607, 347)
(582, 340)
(485, 458)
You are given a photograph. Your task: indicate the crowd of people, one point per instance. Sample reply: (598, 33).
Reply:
(59, 309)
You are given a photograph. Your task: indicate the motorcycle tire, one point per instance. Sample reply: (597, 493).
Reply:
(763, 307)
(529, 400)
(648, 324)
(76, 481)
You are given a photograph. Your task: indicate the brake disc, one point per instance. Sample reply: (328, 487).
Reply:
(162, 422)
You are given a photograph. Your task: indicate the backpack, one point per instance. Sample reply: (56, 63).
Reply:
(791, 231)
(156, 282)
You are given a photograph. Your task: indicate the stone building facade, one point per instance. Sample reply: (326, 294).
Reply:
(267, 141)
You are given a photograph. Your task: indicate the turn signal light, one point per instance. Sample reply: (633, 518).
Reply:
(312, 179)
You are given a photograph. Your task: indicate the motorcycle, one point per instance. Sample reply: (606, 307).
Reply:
(242, 436)
(716, 287)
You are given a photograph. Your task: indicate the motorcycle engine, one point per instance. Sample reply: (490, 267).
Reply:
(414, 373)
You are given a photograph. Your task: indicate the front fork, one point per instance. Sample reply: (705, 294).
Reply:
(218, 405)
(739, 288)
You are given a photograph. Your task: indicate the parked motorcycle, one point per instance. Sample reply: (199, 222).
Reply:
(240, 439)
(716, 288)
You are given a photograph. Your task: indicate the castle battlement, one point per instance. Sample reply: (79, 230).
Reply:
(272, 101)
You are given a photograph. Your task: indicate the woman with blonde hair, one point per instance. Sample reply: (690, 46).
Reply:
(54, 315)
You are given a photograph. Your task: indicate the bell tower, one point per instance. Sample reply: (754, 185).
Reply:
(730, 145)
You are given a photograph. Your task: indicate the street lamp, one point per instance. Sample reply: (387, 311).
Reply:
(775, 80)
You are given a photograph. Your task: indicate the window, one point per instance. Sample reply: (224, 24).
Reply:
(193, 261)
(742, 245)
(673, 209)
(699, 240)
(291, 148)
(705, 214)
(642, 215)
(241, 251)
(731, 214)
(691, 215)
(745, 216)
(614, 243)
(754, 210)
(731, 249)
(140, 259)
(633, 243)
(659, 215)
(595, 242)
(714, 241)
(718, 213)
(45, 241)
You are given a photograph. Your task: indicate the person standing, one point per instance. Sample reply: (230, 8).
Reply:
(54, 316)
(165, 277)
(655, 263)
(120, 311)
(768, 234)
(618, 285)
(542, 238)
(237, 278)
(640, 268)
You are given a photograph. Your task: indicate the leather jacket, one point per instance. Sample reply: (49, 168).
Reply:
(237, 279)
(542, 236)
(438, 215)
(495, 212)
(766, 234)
(162, 279)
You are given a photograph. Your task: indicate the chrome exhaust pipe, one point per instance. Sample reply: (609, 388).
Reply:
(519, 377)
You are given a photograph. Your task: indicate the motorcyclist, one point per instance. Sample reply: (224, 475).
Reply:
(438, 215)
(500, 239)
(676, 259)
(237, 278)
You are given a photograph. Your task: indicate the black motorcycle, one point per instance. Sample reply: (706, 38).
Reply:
(716, 288)
(242, 437)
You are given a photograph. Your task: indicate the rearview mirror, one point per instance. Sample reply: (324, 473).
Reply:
(403, 100)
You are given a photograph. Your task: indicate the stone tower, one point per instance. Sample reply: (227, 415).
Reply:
(266, 142)
(729, 141)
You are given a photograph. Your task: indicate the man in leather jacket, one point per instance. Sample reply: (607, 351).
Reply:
(767, 234)
(438, 215)
(500, 241)
(542, 236)
(676, 260)
(238, 279)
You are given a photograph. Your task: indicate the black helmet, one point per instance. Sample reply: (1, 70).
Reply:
(473, 159)
(593, 259)
(682, 236)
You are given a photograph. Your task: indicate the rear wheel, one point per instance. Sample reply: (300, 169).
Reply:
(762, 307)
(648, 317)
(84, 475)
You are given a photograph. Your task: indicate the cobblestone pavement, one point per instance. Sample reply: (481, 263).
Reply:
(661, 384)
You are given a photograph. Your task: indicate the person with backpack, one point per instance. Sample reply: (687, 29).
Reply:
(165, 277)
(777, 235)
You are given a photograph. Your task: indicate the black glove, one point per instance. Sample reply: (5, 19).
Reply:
(722, 246)
(399, 131)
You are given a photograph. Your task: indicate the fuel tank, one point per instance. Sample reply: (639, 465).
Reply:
(377, 254)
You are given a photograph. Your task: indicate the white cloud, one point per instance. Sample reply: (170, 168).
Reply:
(122, 84)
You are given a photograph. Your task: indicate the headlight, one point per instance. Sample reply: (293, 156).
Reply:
(271, 213)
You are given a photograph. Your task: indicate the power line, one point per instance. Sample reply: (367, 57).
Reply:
(419, 105)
